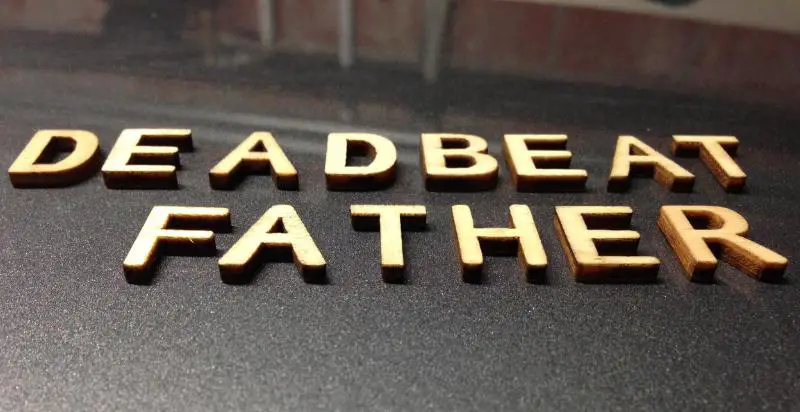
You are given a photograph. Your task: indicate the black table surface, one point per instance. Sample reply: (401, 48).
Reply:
(75, 336)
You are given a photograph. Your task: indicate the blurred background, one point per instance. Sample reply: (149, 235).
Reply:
(734, 50)
(75, 336)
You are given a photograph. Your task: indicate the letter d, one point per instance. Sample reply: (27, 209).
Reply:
(377, 175)
(32, 167)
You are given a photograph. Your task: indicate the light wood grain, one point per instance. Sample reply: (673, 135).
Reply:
(33, 169)
(717, 153)
(278, 235)
(457, 163)
(721, 228)
(540, 163)
(259, 153)
(379, 174)
(156, 237)
(133, 164)
(610, 233)
(632, 156)
(390, 220)
(521, 239)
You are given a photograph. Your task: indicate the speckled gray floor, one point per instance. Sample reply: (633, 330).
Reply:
(75, 336)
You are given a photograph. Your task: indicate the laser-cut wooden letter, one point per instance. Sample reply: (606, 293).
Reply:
(32, 168)
(521, 239)
(377, 175)
(390, 221)
(634, 156)
(259, 153)
(278, 233)
(599, 249)
(156, 237)
(457, 162)
(717, 153)
(134, 166)
(540, 162)
(723, 228)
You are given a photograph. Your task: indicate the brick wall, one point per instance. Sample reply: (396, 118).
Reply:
(565, 43)
(528, 39)
(387, 30)
(73, 16)
(619, 48)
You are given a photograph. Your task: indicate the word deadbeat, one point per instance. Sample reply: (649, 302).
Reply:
(597, 240)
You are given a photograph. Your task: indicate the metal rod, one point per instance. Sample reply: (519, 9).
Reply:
(347, 43)
(266, 23)
(435, 27)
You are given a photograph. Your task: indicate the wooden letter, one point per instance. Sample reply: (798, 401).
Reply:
(521, 239)
(156, 237)
(377, 175)
(278, 234)
(539, 162)
(598, 248)
(457, 162)
(259, 153)
(390, 219)
(724, 229)
(34, 169)
(716, 153)
(131, 166)
(634, 156)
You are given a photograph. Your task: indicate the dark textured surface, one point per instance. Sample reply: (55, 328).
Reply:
(75, 336)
